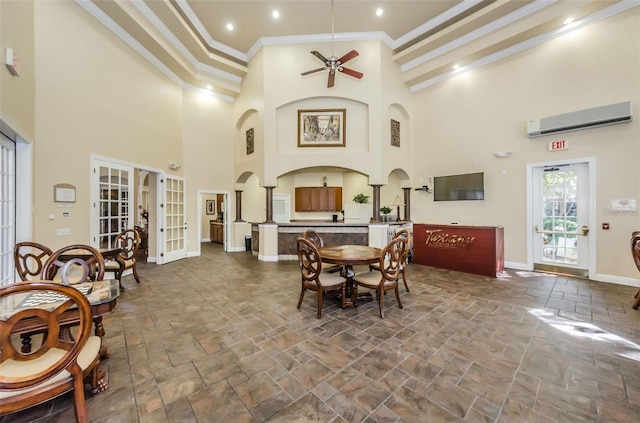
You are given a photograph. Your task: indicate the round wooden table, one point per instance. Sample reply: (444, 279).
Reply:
(348, 256)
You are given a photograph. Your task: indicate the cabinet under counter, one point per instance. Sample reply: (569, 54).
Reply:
(216, 231)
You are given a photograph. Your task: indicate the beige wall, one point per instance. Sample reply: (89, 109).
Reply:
(94, 95)
(17, 93)
(97, 96)
(460, 124)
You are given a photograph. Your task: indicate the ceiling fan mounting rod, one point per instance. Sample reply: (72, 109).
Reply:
(332, 56)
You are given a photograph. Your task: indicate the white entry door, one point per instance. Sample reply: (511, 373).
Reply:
(174, 228)
(561, 211)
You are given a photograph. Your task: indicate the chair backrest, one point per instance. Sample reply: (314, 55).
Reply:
(314, 237)
(635, 248)
(21, 372)
(309, 260)
(129, 242)
(29, 257)
(391, 258)
(406, 235)
(75, 263)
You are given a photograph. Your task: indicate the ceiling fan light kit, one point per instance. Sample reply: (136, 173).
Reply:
(335, 65)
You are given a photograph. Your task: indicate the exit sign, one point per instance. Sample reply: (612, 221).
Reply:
(558, 145)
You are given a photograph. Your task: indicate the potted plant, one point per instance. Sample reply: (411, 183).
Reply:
(385, 210)
(360, 198)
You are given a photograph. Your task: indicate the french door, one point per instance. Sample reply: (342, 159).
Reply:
(7, 209)
(561, 210)
(174, 229)
(112, 187)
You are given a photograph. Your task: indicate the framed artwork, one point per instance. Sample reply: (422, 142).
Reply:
(322, 128)
(211, 206)
(250, 141)
(395, 133)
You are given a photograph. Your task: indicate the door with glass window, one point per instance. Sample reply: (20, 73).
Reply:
(7, 209)
(560, 217)
(174, 230)
(112, 206)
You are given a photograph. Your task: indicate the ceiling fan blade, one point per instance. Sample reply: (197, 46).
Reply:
(319, 56)
(351, 72)
(313, 71)
(332, 77)
(348, 56)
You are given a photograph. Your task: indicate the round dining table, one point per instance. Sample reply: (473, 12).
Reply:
(348, 256)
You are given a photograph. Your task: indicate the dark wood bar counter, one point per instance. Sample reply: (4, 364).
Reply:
(470, 249)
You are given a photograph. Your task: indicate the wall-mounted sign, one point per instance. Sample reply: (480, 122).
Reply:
(558, 145)
(64, 193)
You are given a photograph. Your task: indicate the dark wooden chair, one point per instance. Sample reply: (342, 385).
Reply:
(402, 233)
(635, 252)
(390, 268)
(314, 237)
(74, 263)
(29, 258)
(129, 242)
(313, 278)
(59, 365)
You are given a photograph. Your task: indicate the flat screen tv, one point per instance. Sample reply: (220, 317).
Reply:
(469, 186)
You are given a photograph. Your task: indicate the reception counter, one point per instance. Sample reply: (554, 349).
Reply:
(332, 233)
(471, 249)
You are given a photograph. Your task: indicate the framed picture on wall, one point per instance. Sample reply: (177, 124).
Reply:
(211, 206)
(395, 133)
(322, 128)
(250, 141)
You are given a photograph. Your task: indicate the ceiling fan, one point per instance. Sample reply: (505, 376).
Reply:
(335, 65)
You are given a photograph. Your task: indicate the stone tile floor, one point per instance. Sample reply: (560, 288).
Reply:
(218, 338)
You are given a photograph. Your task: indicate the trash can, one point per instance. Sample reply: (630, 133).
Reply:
(247, 243)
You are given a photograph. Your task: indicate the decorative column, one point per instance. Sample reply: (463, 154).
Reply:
(376, 203)
(269, 205)
(238, 206)
(407, 204)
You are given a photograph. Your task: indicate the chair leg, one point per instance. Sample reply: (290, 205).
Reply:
(319, 303)
(381, 300)
(79, 402)
(636, 303)
(398, 296)
(404, 279)
(135, 274)
(343, 294)
(301, 296)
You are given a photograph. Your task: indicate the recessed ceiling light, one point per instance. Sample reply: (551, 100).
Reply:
(568, 20)
(379, 11)
(275, 14)
(230, 26)
(209, 87)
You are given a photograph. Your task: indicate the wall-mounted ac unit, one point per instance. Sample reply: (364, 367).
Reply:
(581, 119)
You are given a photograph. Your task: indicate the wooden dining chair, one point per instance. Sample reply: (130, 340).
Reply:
(386, 278)
(129, 242)
(402, 233)
(313, 278)
(73, 264)
(635, 253)
(59, 365)
(313, 236)
(29, 258)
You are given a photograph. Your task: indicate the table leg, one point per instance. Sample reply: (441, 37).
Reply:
(99, 331)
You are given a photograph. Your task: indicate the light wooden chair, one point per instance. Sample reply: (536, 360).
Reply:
(29, 257)
(405, 234)
(313, 278)
(386, 278)
(129, 242)
(59, 365)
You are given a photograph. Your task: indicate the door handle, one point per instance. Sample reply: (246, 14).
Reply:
(584, 231)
